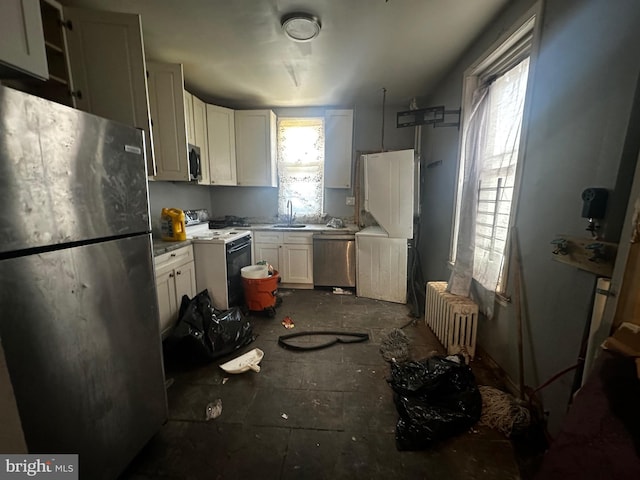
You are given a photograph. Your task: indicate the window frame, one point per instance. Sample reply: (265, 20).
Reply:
(302, 118)
(528, 24)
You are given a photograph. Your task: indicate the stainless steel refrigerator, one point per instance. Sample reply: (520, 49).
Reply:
(78, 306)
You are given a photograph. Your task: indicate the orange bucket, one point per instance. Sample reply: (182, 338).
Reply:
(261, 293)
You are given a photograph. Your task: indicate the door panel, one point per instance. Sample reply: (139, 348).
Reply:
(108, 68)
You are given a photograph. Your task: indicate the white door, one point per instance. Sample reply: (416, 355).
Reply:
(381, 267)
(255, 148)
(108, 68)
(22, 39)
(200, 138)
(297, 263)
(167, 306)
(221, 137)
(338, 126)
(389, 191)
(268, 252)
(167, 108)
(185, 282)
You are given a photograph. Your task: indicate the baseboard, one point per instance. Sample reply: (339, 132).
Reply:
(509, 383)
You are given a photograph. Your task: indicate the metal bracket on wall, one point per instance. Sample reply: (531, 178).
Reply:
(435, 116)
(587, 254)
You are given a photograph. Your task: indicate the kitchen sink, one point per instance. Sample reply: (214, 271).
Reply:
(289, 225)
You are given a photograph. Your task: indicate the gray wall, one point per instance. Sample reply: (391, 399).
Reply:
(261, 203)
(582, 133)
(183, 195)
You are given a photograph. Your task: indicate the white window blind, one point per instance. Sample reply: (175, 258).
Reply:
(499, 157)
(301, 166)
(488, 171)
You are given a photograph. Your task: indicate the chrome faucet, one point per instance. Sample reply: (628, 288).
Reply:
(289, 212)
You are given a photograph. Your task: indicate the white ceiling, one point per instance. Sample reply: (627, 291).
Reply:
(235, 54)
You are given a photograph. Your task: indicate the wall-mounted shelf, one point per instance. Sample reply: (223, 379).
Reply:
(587, 254)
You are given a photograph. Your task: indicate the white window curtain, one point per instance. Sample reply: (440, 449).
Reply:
(489, 161)
(301, 166)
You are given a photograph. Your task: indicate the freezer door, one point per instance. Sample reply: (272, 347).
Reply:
(67, 176)
(82, 344)
(389, 191)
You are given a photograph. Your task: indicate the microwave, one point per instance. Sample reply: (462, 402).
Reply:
(195, 164)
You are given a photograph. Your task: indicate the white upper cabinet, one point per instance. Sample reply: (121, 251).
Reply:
(108, 68)
(188, 111)
(256, 148)
(221, 135)
(338, 148)
(168, 117)
(22, 46)
(200, 138)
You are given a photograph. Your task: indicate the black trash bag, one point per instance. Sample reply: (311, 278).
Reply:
(208, 333)
(436, 398)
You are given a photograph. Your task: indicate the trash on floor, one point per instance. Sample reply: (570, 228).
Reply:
(502, 411)
(214, 409)
(341, 291)
(245, 362)
(225, 380)
(206, 333)
(285, 416)
(395, 346)
(287, 322)
(436, 398)
(354, 338)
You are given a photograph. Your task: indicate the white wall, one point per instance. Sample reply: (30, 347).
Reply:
(582, 133)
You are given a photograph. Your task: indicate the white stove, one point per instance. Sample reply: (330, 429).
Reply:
(202, 233)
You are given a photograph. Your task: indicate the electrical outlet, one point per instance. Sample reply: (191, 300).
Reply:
(351, 200)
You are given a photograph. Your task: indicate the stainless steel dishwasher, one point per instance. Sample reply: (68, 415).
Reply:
(334, 260)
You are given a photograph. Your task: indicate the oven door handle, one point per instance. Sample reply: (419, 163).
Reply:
(237, 248)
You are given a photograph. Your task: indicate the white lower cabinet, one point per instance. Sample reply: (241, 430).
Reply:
(175, 277)
(291, 253)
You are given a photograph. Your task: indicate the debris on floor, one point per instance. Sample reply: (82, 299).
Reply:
(436, 398)
(502, 411)
(285, 416)
(395, 346)
(287, 322)
(214, 409)
(245, 362)
(341, 291)
(339, 337)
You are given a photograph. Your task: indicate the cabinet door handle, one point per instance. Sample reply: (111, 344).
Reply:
(178, 272)
(172, 255)
(171, 275)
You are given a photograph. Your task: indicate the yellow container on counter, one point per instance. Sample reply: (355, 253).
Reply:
(172, 225)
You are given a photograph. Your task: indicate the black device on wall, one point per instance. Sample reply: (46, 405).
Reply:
(594, 202)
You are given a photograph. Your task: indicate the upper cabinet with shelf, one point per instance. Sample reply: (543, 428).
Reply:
(22, 47)
(256, 148)
(338, 148)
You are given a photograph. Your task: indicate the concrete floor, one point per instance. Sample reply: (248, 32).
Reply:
(326, 414)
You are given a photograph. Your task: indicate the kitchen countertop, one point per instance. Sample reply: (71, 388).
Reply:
(309, 227)
(161, 246)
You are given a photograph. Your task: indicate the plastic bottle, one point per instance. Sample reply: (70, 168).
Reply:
(172, 225)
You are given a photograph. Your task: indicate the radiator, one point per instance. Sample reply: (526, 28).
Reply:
(452, 318)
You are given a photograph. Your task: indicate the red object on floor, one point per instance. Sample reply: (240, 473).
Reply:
(260, 293)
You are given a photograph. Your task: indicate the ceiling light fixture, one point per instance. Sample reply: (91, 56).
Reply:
(300, 27)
